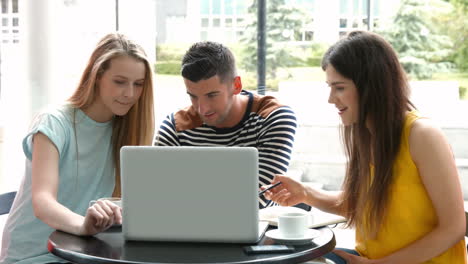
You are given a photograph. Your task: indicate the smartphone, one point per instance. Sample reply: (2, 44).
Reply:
(268, 249)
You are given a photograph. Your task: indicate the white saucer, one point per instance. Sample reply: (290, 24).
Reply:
(307, 238)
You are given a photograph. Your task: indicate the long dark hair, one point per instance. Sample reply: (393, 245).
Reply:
(372, 64)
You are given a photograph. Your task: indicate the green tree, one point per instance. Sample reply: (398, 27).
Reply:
(422, 50)
(456, 25)
(461, 3)
(283, 22)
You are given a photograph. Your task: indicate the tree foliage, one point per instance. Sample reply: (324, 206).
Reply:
(456, 25)
(282, 23)
(423, 50)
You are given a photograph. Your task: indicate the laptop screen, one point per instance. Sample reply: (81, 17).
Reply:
(203, 194)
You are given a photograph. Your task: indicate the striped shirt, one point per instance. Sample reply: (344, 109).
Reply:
(266, 125)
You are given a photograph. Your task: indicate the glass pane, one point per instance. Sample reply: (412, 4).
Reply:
(15, 6)
(297, 35)
(228, 36)
(205, 7)
(204, 22)
(239, 34)
(228, 7)
(15, 21)
(204, 35)
(216, 7)
(356, 7)
(241, 7)
(309, 35)
(216, 22)
(364, 7)
(343, 22)
(308, 5)
(376, 7)
(240, 22)
(376, 23)
(344, 7)
(228, 22)
(4, 6)
(5, 22)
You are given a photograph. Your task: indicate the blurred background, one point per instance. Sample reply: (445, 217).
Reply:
(44, 47)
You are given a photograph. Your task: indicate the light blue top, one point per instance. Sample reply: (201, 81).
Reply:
(86, 172)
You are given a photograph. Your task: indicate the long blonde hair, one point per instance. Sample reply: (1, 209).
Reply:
(137, 126)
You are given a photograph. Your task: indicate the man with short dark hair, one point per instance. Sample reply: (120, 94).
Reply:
(222, 114)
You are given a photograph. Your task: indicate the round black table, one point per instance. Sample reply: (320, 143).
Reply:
(110, 247)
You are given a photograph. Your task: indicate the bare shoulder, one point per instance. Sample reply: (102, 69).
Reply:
(426, 137)
(425, 129)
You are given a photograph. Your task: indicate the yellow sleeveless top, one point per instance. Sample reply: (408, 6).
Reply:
(410, 212)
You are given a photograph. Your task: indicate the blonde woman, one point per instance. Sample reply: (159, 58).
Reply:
(73, 152)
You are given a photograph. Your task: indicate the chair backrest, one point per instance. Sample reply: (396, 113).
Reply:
(6, 200)
(466, 218)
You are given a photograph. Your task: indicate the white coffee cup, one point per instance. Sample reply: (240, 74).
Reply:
(293, 225)
(115, 200)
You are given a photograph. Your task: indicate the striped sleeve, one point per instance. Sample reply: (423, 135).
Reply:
(167, 135)
(275, 145)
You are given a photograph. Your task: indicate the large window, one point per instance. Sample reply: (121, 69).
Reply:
(222, 20)
(46, 67)
(70, 38)
(354, 15)
(10, 22)
(5, 4)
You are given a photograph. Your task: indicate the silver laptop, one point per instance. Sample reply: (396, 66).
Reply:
(190, 194)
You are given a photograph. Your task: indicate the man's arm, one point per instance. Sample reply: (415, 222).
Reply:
(275, 145)
(167, 134)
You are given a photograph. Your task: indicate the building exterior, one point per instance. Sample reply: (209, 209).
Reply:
(181, 21)
(10, 22)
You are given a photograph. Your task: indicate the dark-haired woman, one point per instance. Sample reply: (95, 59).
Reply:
(401, 190)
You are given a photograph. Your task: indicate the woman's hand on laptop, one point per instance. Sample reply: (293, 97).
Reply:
(100, 216)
